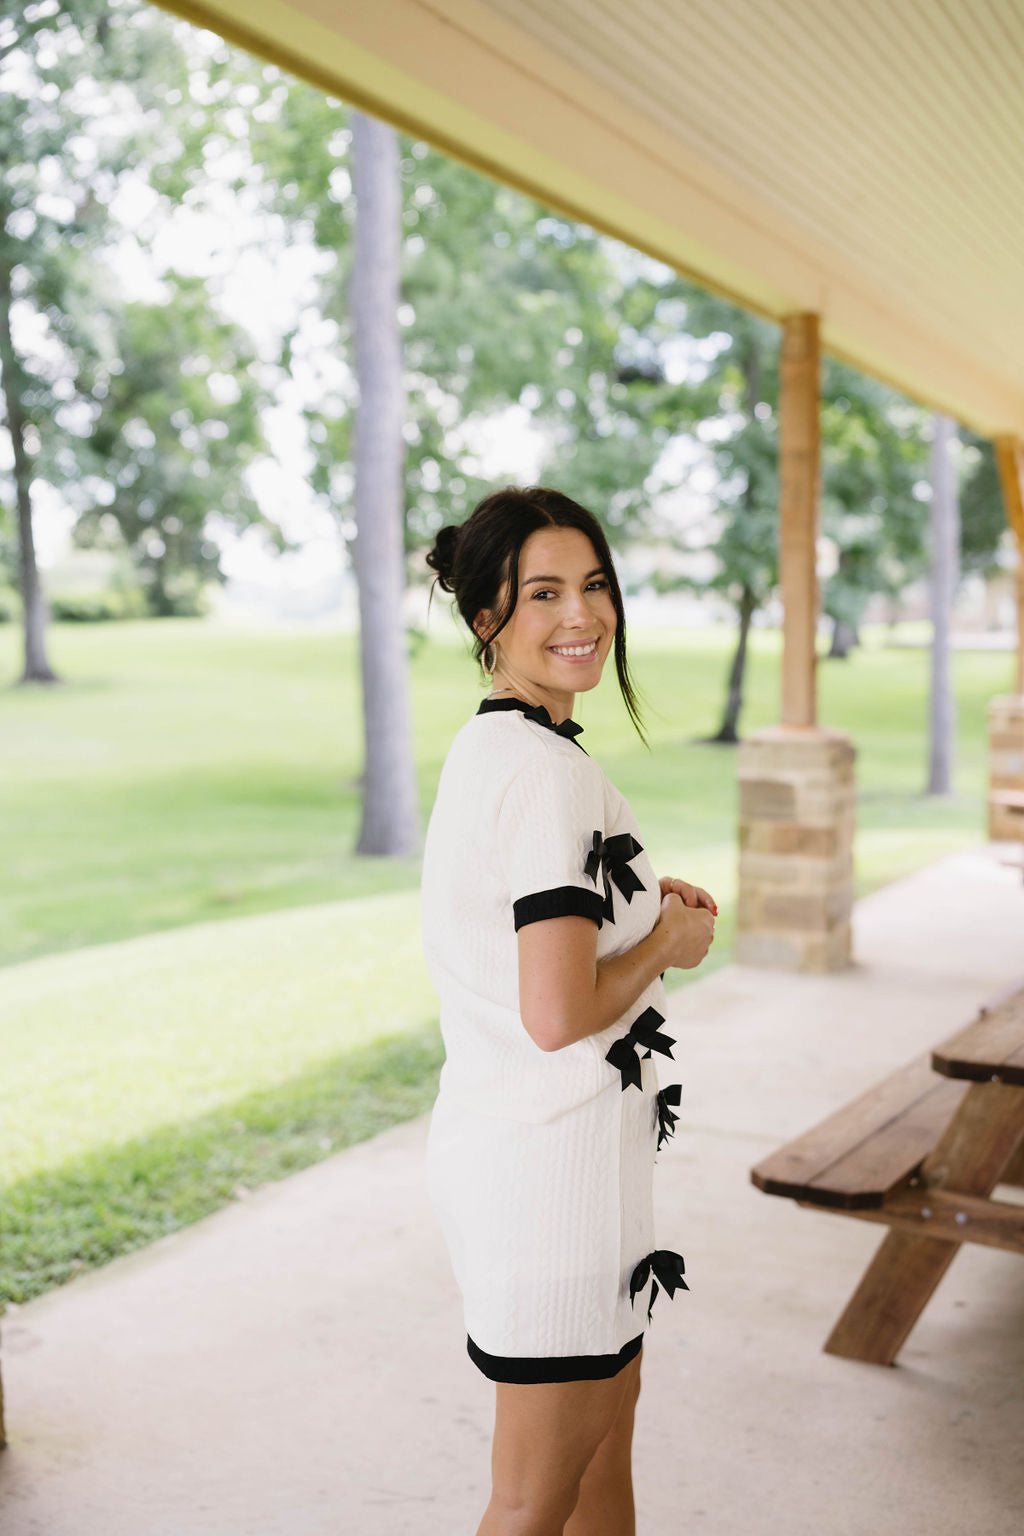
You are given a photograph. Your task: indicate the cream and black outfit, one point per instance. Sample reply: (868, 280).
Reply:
(540, 1163)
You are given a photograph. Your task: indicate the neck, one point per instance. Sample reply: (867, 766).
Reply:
(557, 702)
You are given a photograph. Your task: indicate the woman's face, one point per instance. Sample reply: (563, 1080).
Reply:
(564, 622)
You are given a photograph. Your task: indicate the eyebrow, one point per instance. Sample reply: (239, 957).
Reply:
(600, 571)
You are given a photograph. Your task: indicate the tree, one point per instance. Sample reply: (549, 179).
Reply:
(389, 814)
(178, 420)
(90, 91)
(944, 577)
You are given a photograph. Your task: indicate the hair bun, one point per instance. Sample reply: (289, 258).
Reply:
(442, 557)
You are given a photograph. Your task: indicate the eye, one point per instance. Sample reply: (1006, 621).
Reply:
(601, 583)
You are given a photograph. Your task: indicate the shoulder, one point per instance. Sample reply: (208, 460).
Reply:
(513, 764)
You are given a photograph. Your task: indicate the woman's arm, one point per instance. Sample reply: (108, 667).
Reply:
(566, 993)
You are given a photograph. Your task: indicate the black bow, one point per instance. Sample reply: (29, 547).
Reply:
(625, 1053)
(567, 728)
(667, 1266)
(666, 1119)
(612, 855)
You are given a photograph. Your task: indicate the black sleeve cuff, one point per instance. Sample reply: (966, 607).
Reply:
(562, 901)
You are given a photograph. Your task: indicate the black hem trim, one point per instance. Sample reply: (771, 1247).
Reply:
(527, 1368)
(560, 901)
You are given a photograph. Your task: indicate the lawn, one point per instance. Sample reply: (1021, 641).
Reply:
(204, 988)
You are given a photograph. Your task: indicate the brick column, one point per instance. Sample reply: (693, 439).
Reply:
(1006, 767)
(797, 816)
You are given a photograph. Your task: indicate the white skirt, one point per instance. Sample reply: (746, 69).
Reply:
(545, 1225)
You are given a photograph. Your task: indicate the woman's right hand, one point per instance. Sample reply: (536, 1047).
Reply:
(686, 932)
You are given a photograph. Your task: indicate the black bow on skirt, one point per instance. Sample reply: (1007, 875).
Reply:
(666, 1119)
(667, 1266)
(625, 1053)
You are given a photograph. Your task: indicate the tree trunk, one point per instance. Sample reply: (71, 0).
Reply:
(728, 731)
(390, 820)
(37, 668)
(945, 574)
(844, 638)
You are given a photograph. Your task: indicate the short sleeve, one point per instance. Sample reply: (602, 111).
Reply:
(546, 825)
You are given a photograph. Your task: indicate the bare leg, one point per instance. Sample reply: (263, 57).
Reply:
(605, 1506)
(545, 1436)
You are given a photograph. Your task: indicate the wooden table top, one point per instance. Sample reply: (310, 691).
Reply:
(991, 1049)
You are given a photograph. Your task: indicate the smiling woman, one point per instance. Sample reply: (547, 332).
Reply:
(547, 933)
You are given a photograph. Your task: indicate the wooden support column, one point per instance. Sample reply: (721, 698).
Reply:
(1010, 460)
(799, 487)
(797, 792)
(1006, 711)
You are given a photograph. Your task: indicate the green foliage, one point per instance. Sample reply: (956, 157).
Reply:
(10, 605)
(504, 304)
(145, 416)
(98, 606)
(982, 512)
(178, 423)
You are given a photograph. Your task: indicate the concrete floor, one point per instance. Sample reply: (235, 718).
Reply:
(295, 1365)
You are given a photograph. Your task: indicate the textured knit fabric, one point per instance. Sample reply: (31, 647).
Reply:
(540, 1163)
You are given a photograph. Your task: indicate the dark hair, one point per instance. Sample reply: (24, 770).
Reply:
(473, 559)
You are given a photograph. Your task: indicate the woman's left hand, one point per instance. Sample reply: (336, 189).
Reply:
(693, 895)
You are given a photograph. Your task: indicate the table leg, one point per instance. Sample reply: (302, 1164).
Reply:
(969, 1157)
(896, 1287)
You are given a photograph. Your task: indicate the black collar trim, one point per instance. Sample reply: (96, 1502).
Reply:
(567, 728)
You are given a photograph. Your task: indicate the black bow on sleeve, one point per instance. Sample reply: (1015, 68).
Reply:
(667, 1266)
(611, 856)
(625, 1053)
(666, 1119)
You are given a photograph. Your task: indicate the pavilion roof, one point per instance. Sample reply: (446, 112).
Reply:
(865, 162)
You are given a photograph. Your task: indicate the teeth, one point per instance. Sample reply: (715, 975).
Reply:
(575, 650)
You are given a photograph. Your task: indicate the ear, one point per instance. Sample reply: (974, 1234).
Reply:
(483, 623)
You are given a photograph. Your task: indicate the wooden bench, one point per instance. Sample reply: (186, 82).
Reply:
(920, 1153)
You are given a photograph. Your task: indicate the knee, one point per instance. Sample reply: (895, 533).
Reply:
(537, 1513)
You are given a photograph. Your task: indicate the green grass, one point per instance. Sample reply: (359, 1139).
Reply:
(195, 958)
(112, 1200)
(186, 772)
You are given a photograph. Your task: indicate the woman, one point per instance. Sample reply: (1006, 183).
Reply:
(547, 934)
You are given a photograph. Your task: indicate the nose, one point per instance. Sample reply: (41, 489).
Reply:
(579, 613)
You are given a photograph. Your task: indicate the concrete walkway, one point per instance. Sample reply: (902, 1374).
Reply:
(295, 1365)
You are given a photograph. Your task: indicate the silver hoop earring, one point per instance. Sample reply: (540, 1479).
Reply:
(489, 665)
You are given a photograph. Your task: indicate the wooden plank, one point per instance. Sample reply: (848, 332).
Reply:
(867, 1173)
(940, 1213)
(799, 489)
(990, 1048)
(968, 1158)
(799, 1168)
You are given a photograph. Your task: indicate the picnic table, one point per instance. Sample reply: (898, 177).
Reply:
(921, 1153)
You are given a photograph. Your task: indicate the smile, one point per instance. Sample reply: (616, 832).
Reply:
(575, 650)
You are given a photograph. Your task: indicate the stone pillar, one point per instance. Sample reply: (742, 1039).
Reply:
(1006, 767)
(797, 816)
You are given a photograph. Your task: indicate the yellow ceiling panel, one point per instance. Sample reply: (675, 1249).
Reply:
(863, 161)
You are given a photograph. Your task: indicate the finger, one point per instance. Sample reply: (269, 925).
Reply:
(707, 900)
